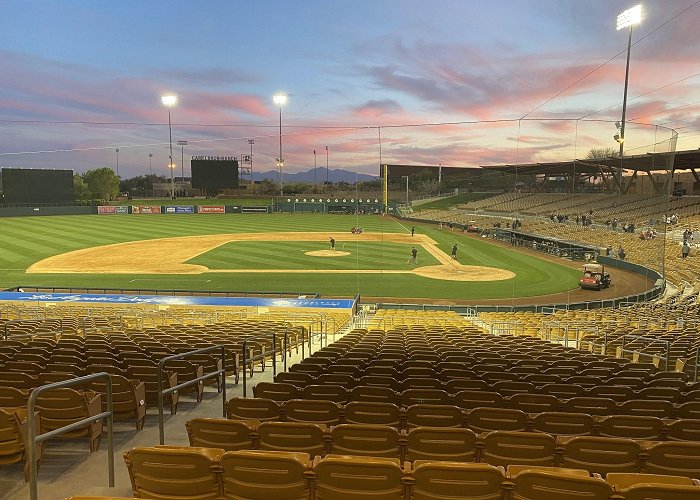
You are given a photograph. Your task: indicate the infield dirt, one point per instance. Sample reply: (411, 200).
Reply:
(170, 256)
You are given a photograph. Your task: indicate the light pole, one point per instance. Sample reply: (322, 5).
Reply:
(326, 164)
(314, 168)
(630, 17)
(280, 99)
(117, 150)
(406, 177)
(182, 145)
(252, 182)
(169, 101)
(150, 163)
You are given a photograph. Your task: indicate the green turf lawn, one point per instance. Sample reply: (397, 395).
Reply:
(26, 240)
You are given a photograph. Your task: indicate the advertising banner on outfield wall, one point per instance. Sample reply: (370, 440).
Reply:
(145, 210)
(180, 209)
(211, 209)
(105, 209)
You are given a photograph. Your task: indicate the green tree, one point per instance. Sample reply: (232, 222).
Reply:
(103, 183)
(80, 189)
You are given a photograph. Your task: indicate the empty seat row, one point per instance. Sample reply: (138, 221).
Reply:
(480, 419)
(595, 454)
(209, 473)
(468, 399)
(621, 388)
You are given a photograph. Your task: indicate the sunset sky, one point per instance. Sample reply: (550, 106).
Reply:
(451, 82)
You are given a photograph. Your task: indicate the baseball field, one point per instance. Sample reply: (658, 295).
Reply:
(269, 253)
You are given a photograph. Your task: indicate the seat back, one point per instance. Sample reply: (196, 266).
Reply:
(356, 478)
(673, 458)
(293, 437)
(327, 392)
(365, 440)
(374, 394)
(309, 410)
(174, 472)
(602, 455)
(526, 448)
(229, 435)
(537, 485)
(361, 412)
(631, 426)
(455, 481)
(261, 409)
(468, 400)
(276, 391)
(433, 416)
(441, 443)
(564, 424)
(496, 419)
(261, 474)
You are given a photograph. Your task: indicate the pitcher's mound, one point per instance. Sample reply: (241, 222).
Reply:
(458, 272)
(326, 253)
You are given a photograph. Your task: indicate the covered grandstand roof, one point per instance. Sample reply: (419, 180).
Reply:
(682, 160)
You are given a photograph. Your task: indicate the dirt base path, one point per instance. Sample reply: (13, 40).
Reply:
(170, 256)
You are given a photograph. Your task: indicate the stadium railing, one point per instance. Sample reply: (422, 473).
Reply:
(164, 392)
(33, 438)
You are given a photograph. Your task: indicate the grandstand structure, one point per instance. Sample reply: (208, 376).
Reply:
(346, 400)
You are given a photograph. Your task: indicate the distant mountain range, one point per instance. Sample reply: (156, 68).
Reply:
(334, 175)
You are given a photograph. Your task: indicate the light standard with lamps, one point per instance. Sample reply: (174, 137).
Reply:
(280, 99)
(252, 182)
(406, 177)
(630, 17)
(150, 163)
(117, 150)
(169, 101)
(182, 145)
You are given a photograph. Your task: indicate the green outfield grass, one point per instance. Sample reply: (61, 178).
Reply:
(29, 239)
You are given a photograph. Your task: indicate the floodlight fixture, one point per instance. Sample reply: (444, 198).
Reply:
(629, 17)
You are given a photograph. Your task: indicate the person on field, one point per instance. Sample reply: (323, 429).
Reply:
(414, 256)
(413, 230)
(454, 251)
(332, 244)
(685, 249)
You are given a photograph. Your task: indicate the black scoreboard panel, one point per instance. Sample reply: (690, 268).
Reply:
(28, 185)
(214, 175)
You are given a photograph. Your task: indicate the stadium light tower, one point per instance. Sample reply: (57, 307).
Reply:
(406, 177)
(117, 151)
(280, 99)
(252, 182)
(182, 145)
(150, 163)
(628, 18)
(169, 101)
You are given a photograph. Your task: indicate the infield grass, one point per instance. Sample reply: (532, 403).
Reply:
(26, 240)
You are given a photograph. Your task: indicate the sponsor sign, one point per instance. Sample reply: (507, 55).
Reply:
(145, 209)
(211, 209)
(180, 209)
(177, 300)
(109, 209)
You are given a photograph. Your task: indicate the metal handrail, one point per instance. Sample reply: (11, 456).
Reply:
(33, 439)
(262, 355)
(652, 339)
(163, 392)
